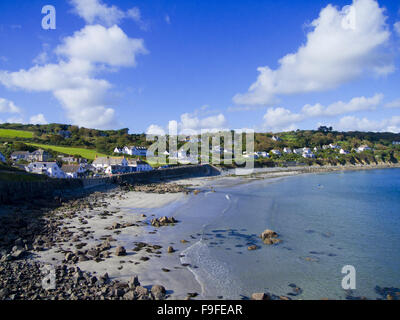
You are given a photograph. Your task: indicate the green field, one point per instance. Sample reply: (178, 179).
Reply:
(9, 133)
(291, 137)
(85, 153)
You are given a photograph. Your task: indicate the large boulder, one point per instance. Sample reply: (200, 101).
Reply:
(130, 295)
(120, 251)
(270, 237)
(268, 234)
(142, 292)
(134, 282)
(158, 292)
(260, 296)
(170, 249)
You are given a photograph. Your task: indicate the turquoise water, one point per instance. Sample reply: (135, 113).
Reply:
(326, 221)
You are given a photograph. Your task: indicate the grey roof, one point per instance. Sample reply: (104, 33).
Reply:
(70, 168)
(108, 161)
(135, 162)
(43, 163)
(15, 153)
(38, 152)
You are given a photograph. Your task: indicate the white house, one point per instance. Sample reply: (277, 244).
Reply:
(334, 146)
(276, 152)
(117, 150)
(287, 150)
(20, 155)
(248, 155)
(262, 154)
(396, 143)
(138, 166)
(298, 151)
(50, 169)
(2, 158)
(39, 155)
(102, 163)
(342, 151)
(73, 170)
(136, 151)
(117, 169)
(276, 138)
(363, 148)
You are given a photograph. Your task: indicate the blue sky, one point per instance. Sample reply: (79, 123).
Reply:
(143, 64)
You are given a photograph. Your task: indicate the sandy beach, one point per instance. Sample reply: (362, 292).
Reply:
(127, 209)
(135, 210)
(110, 233)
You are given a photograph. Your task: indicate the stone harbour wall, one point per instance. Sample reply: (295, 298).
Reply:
(12, 192)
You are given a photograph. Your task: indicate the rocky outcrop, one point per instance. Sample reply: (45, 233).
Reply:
(163, 221)
(120, 251)
(270, 237)
(22, 280)
(260, 296)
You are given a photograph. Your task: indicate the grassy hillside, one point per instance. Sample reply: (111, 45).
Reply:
(85, 153)
(10, 133)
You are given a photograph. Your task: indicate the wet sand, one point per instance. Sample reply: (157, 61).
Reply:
(161, 268)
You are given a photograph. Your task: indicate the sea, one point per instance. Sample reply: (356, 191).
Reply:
(326, 221)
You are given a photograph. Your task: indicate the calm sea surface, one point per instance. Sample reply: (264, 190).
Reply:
(326, 221)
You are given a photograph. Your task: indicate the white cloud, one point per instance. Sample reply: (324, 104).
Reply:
(191, 124)
(332, 55)
(95, 11)
(281, 119)
(351, 123)
(340, 107)
(393, 104)
(13, 120)
(397, 27)
(167, 19)
(38, 119)
(98, 44)
(72, 80)
(155, 129)
(7, 106)
(41, 58)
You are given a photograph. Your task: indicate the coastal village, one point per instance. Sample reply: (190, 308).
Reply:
(234, 153)
(273, 150)
(67, 167)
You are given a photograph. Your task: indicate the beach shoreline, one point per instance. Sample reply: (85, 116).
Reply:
(125, 217)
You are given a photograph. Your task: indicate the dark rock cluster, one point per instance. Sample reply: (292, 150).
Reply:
(23, 280)
(35, 227)
(156, 188)
(163, 221)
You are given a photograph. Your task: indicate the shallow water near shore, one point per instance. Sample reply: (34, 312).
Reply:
(326, 221)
